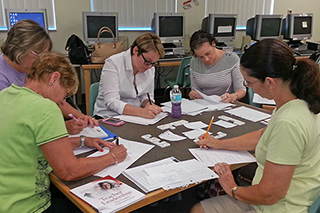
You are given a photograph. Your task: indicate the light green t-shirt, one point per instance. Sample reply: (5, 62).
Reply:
(292, 138)
(27, 121)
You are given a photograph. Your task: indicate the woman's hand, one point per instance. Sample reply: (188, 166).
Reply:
(119, 152)
(226, 178)
(97, 142)
(150, 111)
(208, 142)
(89, 120)
(75, 127)
(194, 95)
(228, 98)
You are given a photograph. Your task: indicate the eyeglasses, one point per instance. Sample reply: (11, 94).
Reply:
(36, 53)
(148, 63)
(248, 84)
(68, 94)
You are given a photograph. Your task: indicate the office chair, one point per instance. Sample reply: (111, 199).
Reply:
(315, 207)
(94, 89)
(183, 76)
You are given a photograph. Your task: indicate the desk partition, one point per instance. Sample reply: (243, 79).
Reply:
(177, 149)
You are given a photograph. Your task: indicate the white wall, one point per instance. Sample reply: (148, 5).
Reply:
(69, 19)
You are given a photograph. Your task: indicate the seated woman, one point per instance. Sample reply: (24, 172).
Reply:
(34, 140)
(127, 79)
(25, 41)
(287, 150)
(214, 71)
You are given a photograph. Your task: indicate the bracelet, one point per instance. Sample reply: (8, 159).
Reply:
(116, 162)
(82, 138)
(234, 189)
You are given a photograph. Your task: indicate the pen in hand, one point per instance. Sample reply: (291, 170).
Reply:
(228, 88)
(72, 116)
(150, 102)
(207, 130)
(117, 141)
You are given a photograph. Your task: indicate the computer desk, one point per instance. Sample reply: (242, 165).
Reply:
(87, 77)
(177, 149)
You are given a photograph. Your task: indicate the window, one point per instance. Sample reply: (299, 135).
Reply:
(134, 14)
(244, 8)
(28, 4)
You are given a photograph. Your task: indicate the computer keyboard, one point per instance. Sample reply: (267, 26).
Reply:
(172, 57)
(304, 52)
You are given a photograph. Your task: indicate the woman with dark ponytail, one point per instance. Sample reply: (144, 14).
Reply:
(287, 150)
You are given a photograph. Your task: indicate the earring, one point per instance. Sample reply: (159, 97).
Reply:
(51, 83)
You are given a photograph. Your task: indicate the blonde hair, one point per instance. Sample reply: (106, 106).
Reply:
(50, 62)
(24, 36)
(148, 42)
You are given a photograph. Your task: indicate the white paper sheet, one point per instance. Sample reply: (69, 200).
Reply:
(248, 113)
(195, 125)
(224, 124)
(134, 150)
(193, 134)
(211, 157)
(79, 150)
(169, 136)
(140, 120)
(259, 100)
(95, 132)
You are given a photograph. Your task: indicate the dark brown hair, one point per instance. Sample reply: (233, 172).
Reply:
(199, 37)
(273, 58)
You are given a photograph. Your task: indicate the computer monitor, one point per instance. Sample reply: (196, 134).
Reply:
(92, 23)
(15, 15)
(297, 27)
(222, 26)
(264, 26)
(170, 27)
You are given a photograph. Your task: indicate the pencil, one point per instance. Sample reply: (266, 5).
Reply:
(228, 88)
(208, 129)
(150, 102)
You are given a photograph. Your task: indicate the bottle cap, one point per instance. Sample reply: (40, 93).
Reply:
(176, 86)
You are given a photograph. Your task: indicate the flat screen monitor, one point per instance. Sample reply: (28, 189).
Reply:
(92, 23)
(222, 26)
(297, 27)
(170, 27)
(15, 15)
(264, 26)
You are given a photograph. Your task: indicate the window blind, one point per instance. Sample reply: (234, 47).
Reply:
(28, 4)
(134, 14)
(244, 8)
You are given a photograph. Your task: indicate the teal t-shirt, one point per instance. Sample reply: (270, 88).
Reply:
(27, 121)
(292, 138)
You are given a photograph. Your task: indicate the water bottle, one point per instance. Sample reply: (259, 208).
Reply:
(175, 96)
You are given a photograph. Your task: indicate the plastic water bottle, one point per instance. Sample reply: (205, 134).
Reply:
(175, 96)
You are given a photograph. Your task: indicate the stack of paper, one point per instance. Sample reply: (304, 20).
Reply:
(168, 173)
(211, 157)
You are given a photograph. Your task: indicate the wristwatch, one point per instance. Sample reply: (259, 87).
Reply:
(234, 189)
(82, 138)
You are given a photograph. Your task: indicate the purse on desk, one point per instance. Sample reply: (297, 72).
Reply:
(101, 51)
